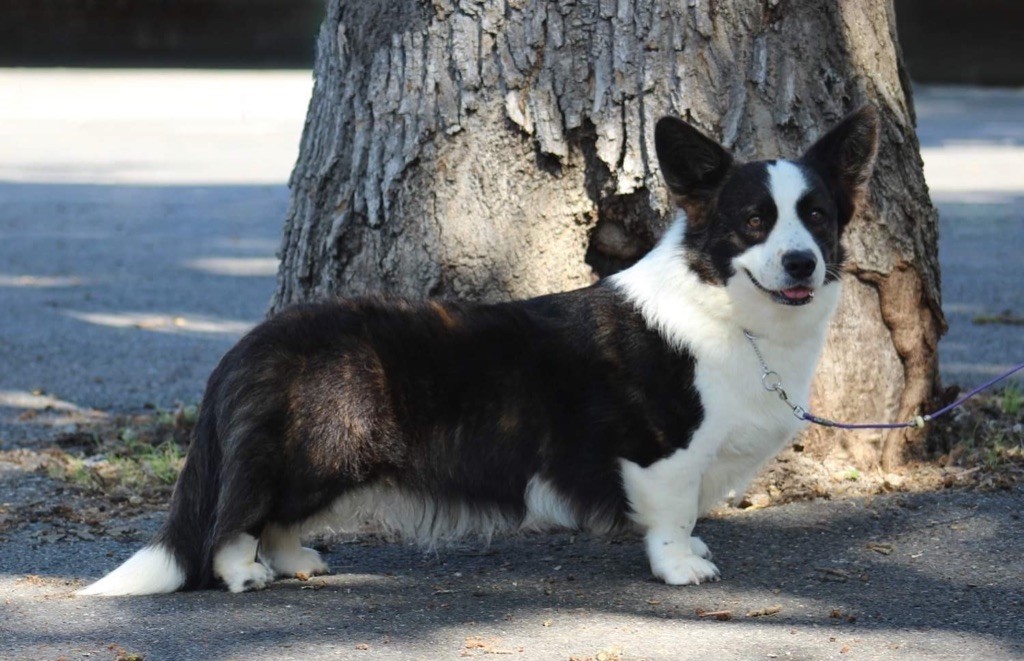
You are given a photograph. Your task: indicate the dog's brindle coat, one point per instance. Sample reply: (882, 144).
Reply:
(576, 408)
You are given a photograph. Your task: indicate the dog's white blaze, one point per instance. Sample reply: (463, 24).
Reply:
(235, 563)
(764, 261)
(788, 184)
(152, 570)
(545, 507)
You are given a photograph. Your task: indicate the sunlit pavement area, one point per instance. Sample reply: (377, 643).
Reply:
(140, 213)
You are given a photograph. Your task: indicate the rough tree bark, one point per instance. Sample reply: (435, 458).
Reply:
(497, 149)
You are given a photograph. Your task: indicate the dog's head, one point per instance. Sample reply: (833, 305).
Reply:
(768, 231)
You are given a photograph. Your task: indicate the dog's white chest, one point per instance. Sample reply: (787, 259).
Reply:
(741, 415)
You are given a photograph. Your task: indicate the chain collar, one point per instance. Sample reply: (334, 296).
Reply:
(772, 380)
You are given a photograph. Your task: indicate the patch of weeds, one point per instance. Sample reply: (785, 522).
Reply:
(1012, 399)
(139, 455)
(71, 469)
(996, 452)
(852, 475)
(982, 443)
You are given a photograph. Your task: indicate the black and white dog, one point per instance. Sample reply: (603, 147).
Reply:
(636, 400)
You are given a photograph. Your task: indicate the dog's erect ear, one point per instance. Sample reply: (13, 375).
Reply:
(845, 156)
(692, 164)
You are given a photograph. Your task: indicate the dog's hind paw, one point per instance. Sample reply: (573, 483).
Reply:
(234, 565)
(245, 578)
(303, 562)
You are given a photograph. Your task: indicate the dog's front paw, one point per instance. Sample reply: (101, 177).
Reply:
(677, 564)
(698, 547)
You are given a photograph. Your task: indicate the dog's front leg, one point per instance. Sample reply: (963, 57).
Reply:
(664, 498)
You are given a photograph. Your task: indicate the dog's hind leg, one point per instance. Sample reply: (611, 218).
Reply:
(235, 563)
(235, 560)
(243, 506)
(281, 548)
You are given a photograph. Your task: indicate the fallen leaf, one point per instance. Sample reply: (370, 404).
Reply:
(834, 575)
(718, 615)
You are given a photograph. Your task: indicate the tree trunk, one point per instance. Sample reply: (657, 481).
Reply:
(495, 150)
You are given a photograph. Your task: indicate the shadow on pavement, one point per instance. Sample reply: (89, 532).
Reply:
(907, 564)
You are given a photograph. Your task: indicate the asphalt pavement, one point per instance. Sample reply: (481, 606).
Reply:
(933, 576)
(139, 218)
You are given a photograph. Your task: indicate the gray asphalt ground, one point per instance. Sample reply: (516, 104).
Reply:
(900, 577)
(139, 215)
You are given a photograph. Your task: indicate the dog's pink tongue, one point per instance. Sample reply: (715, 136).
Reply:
(797, 293)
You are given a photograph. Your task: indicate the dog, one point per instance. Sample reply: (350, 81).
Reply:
(635, 401)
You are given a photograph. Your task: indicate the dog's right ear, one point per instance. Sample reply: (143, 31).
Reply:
(693, 165)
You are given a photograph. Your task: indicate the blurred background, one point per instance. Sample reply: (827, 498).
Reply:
(159, 33)
(944, 41)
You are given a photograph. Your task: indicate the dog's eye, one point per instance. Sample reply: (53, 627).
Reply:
(755, 223)
(816, 216)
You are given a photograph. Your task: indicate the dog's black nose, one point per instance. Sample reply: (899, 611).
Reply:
(799, 264)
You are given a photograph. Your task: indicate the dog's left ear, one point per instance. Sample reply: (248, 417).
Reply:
(845, 156)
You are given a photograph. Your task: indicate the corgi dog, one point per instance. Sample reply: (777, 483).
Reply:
(636, 401)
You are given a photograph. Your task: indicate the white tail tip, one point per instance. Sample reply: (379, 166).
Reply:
(152, 570)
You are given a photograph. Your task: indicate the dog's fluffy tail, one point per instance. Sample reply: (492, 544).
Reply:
(179, 556)
(152, 570)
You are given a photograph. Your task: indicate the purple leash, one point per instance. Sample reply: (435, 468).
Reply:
(772, 382)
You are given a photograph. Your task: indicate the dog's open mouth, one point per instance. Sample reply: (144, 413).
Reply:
(798, 295)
